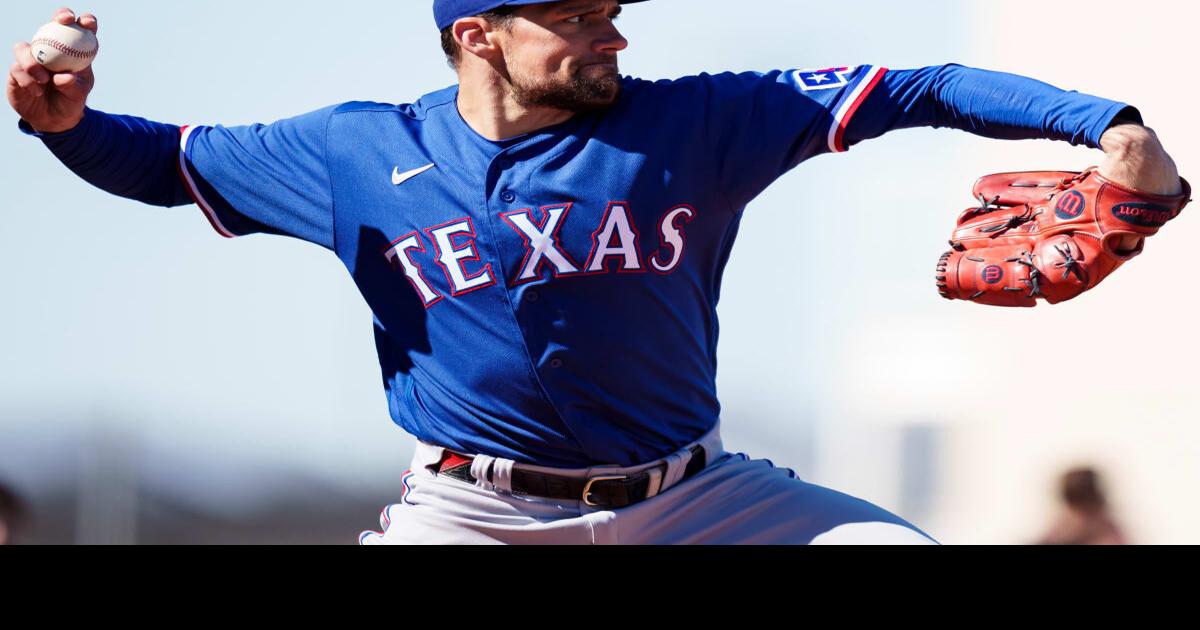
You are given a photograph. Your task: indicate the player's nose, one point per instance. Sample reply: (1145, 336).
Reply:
(611, 41)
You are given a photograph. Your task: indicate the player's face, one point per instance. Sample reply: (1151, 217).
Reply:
(564, 55)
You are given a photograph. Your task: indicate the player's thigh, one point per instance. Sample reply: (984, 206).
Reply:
(739, 500)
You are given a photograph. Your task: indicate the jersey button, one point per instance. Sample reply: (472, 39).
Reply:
(508, 196)
(532, 296)
(556, 363)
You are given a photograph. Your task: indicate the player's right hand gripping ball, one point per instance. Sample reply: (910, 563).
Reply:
(1050, 235)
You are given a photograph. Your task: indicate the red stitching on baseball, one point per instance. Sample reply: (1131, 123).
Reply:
(65, 49)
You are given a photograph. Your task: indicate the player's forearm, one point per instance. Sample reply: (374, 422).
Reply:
(994, 105)
(123, 155)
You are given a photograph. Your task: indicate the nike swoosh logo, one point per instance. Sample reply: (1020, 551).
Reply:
(399, 178)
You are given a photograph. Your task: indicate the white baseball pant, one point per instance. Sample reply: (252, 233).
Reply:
(734, 500)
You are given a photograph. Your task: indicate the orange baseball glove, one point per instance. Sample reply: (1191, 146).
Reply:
(1047, 234)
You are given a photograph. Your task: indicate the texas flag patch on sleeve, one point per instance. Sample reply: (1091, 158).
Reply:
(841, 91)
(827, 79)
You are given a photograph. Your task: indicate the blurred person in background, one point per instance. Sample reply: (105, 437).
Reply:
(1085, 519)
(12, 513)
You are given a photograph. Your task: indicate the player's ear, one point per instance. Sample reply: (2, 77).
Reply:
(475, 36)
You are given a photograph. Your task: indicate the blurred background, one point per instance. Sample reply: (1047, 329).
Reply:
(160, 384)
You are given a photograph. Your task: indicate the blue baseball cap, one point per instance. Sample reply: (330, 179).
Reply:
(445, 12)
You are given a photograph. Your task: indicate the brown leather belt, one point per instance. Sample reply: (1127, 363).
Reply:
(612, 492)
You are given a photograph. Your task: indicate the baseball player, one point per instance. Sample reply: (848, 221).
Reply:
(542, 246)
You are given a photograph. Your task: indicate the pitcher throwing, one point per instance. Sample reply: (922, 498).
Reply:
(542, 246)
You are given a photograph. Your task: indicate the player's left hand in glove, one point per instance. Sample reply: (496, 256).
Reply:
(1048, 235)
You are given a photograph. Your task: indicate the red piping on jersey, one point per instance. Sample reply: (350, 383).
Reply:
(839, 142)
(209, 212)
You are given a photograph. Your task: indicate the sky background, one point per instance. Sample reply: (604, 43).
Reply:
(219, 358)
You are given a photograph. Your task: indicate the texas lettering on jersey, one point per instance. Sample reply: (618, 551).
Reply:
(615, 247)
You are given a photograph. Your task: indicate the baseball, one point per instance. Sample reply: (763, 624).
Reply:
(62, 48)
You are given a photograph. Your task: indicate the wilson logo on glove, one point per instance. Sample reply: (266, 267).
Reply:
(1047, 235)
(1143, 214)
(1070, 206)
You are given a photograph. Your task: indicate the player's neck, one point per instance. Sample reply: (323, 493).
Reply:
(488, 107)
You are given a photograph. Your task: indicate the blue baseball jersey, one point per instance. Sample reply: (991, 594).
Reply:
(552, 298)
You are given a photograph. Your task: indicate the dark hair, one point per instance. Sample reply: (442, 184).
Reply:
(501, 17)
(1081, 489)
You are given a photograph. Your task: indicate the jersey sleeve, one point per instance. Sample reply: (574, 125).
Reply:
(986, 103)
(764, 124)
(126, 156)
(270, 179)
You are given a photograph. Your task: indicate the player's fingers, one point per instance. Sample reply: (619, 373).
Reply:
(90, 22)
(64, 16)
(72, 85)
(65, 80)
(23, 80)
(1129, 243)
(18, 77)
(28, 64)
(87, 78)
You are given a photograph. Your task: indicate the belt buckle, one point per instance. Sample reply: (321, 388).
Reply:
(587, 489)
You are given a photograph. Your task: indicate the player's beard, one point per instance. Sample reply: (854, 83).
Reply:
(586, 91)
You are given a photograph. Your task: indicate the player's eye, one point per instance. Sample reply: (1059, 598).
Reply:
(578, 19)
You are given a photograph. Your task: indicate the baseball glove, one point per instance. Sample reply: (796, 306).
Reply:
(1047, 234)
